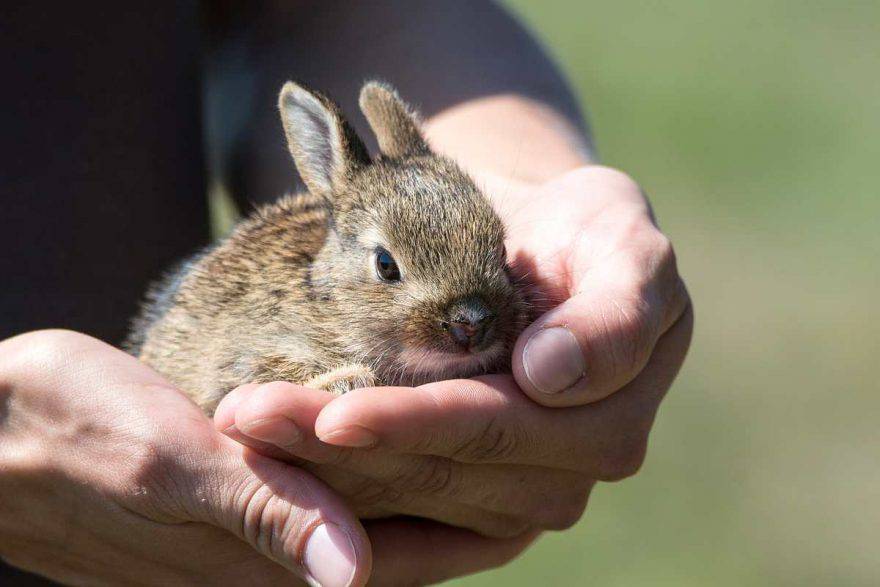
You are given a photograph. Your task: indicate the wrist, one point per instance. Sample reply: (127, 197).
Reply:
(509, 137)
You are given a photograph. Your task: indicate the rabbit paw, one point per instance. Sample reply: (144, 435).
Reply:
(343, 379)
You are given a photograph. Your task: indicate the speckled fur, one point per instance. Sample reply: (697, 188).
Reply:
(292, 294)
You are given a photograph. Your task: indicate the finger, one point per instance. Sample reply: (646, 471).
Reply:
(372, 499)
(284, 513)
(493, 500)
(489, 420)
(278, 420)
(601, 338)
(224, 422)
(224, 414)
(419, 552)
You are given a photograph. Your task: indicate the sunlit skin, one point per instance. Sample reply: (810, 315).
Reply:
(488, 454)
(220, 514)
(483, 454)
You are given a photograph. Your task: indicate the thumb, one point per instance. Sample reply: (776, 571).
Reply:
(591, 345)
(287, 515)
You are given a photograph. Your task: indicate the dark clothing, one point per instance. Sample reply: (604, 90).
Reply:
(101, 151)
(102, 181)
(101, 167)
(102, 164)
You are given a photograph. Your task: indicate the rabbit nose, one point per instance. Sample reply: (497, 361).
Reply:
(463, 332)
(468, 322)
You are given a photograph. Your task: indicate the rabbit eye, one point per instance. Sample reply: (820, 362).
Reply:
(386, 266)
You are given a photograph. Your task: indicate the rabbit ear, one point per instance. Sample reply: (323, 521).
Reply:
(324, 146)
(395, 124)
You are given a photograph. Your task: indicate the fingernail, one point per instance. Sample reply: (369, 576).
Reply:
(351, 436)
(278, 431)
(552, 360)
(329, 557)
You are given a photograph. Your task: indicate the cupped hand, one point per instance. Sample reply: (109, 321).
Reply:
(588, 245)
(480, 453)
(109, 475)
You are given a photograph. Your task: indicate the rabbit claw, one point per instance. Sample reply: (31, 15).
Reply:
(343, 379)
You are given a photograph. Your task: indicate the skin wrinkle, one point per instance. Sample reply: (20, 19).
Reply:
(336, 74)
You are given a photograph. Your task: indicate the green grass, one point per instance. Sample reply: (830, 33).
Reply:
(755, 127)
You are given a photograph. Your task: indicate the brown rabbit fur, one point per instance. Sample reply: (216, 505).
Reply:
(387, 271)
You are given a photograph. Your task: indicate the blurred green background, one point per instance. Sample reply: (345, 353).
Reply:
(755, 128)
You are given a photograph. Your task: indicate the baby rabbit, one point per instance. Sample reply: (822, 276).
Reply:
(387, 271)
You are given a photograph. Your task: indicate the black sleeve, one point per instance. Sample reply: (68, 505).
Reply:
(101, 167)
(436, 52)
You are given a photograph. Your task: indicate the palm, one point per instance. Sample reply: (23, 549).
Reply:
(487, 454)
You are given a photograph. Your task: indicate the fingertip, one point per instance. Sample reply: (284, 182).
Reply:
(224, 415)
(350, 437)
(258, 416)
(353, 420)
(340, 421)
(277, 400)
(335, 555)
(224, 422)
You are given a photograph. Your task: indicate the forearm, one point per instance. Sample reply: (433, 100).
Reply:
(509, 138)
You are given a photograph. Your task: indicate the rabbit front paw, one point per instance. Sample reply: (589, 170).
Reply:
(343, 379)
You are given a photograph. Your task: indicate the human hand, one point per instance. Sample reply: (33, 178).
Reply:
(109, 475)
(588, 242)
(477, 453)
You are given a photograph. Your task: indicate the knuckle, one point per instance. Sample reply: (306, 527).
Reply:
(624, 457)
(664, 250)
(368, 493)
(435, 476)
(269, 521)
(501, 526)
(494, 443)
(611, 175)
(564, 506)
(629, 335)
(255, 505)
(564, 514)
(51, 338)
(665, 272)
(340, 456)
(634, 322)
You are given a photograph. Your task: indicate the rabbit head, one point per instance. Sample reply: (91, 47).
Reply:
(414, 264)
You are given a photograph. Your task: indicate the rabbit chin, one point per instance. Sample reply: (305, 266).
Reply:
(425, 365)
